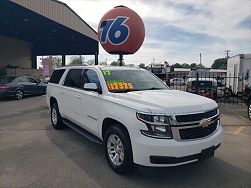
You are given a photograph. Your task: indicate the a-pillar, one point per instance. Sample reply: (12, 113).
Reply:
(63, 60)
(96, 58)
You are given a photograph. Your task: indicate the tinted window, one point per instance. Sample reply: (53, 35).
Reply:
(90, 76)
(6, 79)
(31, 80)
(73, 78)
(56, 76)
(203, 84)
(23, 79)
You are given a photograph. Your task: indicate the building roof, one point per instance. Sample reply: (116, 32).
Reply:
(50, 25)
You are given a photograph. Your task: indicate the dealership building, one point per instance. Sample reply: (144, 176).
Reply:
(31, 28)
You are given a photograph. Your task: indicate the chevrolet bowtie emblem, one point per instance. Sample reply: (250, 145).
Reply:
(205, 122)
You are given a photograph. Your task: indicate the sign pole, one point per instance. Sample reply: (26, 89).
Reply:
(120, 59)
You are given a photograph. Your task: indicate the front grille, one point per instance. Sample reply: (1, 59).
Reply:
(197, 132)
(196, 117)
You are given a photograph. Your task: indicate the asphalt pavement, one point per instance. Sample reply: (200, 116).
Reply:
(33, 154)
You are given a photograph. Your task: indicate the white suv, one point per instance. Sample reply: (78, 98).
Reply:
(135, 115)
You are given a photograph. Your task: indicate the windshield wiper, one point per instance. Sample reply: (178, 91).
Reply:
(154, 88)
(125, 90)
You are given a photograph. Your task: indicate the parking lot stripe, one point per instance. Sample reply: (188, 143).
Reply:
(236, 134)
(243, 118)
(239, 130)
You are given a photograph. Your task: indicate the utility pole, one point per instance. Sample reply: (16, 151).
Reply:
(227, 51)
(200, 60)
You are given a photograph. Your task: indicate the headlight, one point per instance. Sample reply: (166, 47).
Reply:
(158, 125)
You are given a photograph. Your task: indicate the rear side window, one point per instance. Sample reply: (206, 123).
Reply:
(56, 76)
(73, 78)
(23, 79)
(32, 80)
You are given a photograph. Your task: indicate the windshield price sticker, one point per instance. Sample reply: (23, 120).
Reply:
(106, 72)
(119, 86)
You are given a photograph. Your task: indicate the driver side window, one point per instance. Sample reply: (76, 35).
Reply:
(90, 76)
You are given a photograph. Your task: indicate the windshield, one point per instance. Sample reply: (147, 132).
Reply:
(6, 79)
(131, 80)
(202, 84)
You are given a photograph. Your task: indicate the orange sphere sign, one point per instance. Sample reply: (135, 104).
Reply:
(121, 31)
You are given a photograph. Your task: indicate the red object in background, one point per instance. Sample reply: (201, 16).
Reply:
(4, 87)
(47, 62)
(121, 31)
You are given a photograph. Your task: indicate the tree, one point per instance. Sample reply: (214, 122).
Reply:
(114, 63)
(91, 62)
(77, 60)
(56, 62)
(184, 65)
(193, 65)
(220, 63)
(176, 65)
(102, 63)
(142, 65)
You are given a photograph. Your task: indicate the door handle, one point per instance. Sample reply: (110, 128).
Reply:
(78, 97)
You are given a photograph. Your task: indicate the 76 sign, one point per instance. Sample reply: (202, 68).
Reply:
(114, 30)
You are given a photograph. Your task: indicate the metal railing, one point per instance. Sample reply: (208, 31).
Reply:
(218, 86)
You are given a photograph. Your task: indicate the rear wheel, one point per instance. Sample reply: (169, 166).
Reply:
(118, 150)
(19, 94)
(56, 118)
(249, 110)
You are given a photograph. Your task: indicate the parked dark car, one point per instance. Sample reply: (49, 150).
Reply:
(247, 92)
(18, 87)
(206, 87)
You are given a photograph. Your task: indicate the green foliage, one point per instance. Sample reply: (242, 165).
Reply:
(102, 63)
(176, 65)
(220, 63)
(193, 65)
(91, 62)
(56, 62)
(142, 65)
(77, 60)
(185, 65)
(114, 63)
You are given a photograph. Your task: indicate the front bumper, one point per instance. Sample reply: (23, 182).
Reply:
(169, 152)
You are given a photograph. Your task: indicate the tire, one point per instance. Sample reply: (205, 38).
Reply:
(118, 135)
(19, 94)
(56, 118)
(249, 110)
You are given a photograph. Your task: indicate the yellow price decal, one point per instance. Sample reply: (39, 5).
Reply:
(106, 72)
(119, 86)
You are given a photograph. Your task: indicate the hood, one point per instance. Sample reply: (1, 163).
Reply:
(165, 101)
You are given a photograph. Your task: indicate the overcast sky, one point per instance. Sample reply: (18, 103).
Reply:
(177, 31)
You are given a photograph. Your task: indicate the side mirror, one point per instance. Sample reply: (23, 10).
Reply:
(92, 87)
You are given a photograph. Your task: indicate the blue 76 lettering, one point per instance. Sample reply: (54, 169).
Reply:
(114, 30)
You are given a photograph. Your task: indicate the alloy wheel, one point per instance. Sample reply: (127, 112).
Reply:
(115, 150)
(54, 116)
(19, 94)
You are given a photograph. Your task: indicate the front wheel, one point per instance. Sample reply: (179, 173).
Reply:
(249, 110)
(118, 150)
(56, 118)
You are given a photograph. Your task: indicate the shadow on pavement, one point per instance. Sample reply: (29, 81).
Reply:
(90, 158)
